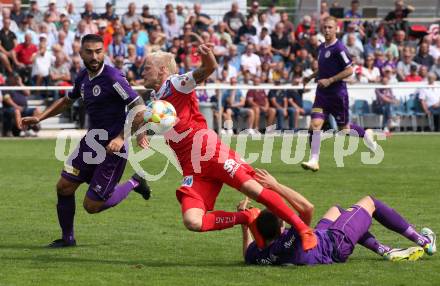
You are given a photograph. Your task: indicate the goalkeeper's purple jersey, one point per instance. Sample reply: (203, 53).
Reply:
(287, 250)
(105, 97)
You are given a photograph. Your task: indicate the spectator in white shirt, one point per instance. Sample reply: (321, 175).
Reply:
(273, 17)
(262, 39)
(370, 73)
(250, 62)
(434, 50)
(430, 100)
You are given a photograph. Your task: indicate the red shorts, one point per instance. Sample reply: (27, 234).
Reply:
(200, 190)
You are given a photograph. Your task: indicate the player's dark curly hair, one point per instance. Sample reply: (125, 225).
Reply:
(93, 38)
(269, 225)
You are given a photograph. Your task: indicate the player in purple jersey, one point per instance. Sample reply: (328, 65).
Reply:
(106, 94)
(334, 65)
(338, 232)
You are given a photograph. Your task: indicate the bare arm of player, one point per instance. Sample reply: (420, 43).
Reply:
(325, 82)
(247, 237)
(56, 108)
(209, 63)
(295, 199)
(136, 109)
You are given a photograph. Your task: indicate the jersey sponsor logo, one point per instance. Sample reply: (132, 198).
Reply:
(120, 90)
(344, 57)
(327, 54)
(231, 167)
(82, 90)
(71, 170)
(290, 242)
(187, 181)
(317, 110)
(96, 90)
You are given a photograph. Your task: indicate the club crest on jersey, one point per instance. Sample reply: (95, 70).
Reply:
(187, 181)
(96, 90)
(231, 167)
(82, 90)
(327, 54)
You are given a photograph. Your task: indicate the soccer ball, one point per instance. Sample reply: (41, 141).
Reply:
(160, 116)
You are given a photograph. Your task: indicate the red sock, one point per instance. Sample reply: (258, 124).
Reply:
(217, 220)
(275, 204)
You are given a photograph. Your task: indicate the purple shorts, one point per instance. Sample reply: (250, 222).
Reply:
(336, 104)
(346, 231)
(102, 177)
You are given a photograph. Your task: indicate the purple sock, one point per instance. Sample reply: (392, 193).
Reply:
(66, 214)
(120, 193)
(389, 218)
(360, 132)
(370, 242)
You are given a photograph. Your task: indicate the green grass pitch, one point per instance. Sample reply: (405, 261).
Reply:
(145, 243)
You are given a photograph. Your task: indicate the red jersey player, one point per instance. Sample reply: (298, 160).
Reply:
(206, 162)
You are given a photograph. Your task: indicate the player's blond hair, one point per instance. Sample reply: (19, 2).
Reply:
(165, 59)
(330, 18)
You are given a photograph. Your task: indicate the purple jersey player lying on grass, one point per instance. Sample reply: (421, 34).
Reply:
(338, 232)
(106, 94)
(334, 65)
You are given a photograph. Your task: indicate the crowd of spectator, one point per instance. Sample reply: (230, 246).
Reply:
(41, 47)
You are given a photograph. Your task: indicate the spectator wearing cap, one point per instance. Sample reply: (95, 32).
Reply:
(109, 13)
(35, 11)
(404, 65)
(246, 32)
(257, 99)
(103, 32)
(250, 62)
(234, 19)
(280, 42)
(390, 72)
(305, 27)
(130, 16)
(148, 20)
(273, 17)
(89, 12)
(22, 56)
(413, 75)
(41, 63)
(15, 107)
(423, 57)
(50, 37)
(262, 23)
(430, 100)
(8, 41)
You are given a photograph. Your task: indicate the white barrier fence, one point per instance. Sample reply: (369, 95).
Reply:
(356, 91)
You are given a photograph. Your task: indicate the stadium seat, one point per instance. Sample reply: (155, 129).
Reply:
(414, 115)
(363, 115)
